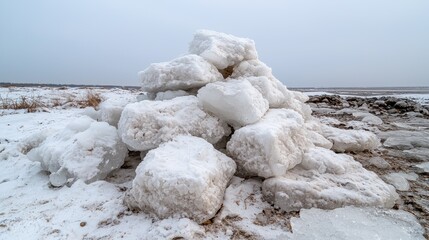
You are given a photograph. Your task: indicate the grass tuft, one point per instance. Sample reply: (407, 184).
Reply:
(31, 104)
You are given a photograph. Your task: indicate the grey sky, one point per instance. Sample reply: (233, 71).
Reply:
(307, 43)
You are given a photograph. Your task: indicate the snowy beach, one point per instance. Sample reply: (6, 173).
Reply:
(213, 146)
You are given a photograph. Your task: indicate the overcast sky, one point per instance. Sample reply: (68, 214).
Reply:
(307, 43)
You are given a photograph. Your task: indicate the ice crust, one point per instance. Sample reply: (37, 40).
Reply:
(235, 101)
(328, 180)
(355, 223)
(185, 177)
(187, 72)
(84, 149)
(271, 146)
(146, 124)
(222, 50)
(350, 140)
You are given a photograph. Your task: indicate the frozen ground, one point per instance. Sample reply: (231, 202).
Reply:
(30, 208)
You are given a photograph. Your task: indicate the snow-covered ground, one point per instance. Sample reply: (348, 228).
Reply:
(30, 208)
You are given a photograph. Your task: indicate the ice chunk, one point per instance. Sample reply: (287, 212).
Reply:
(146, 124)
(235, 101)
(328, 180)
(222, 50)
(379, 162)
(111, 109)
(252, 68)
(368, 118)
(278, 96)
(420, 154)
(407, 142)
(402, 133)
(363, 116)
(356, 223)
(167, 95)
(187, 72)
(91, 112)
(350, 140)
(324, 160)
(85, 149)
(271, 146)
(319, 140)
(272, 90)
(400, 180)
(423, 167)
(185, 177)
(314, 127)
(145, 96)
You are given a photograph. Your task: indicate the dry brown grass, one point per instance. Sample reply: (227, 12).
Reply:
(31, 104)
(92, 99)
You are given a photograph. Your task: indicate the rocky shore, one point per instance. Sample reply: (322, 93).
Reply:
(403, 127)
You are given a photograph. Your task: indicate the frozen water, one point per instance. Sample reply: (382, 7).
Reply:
(85, 149)
(272, 90)
(185, 177)
(253, 68)
(350, 140)
(314, 134)
(261, 77)
(167, 95)
(368, 118)
(146, 124)
(379, 162)
(222, 50)
(363, 116)
(278, 96)
(187, 72)
(235, 101)
(318, 140)
(420, 154)
(407, 142)
(423, 167)
(400, 180)
(325, 161)
(111, 109)
(328, 180)
(356, 223)
(271, 146)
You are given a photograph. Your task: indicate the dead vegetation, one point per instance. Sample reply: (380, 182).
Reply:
(35, 103)
(31, 104)
(92, 99)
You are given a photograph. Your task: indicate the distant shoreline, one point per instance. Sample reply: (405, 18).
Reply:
(368, 91)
